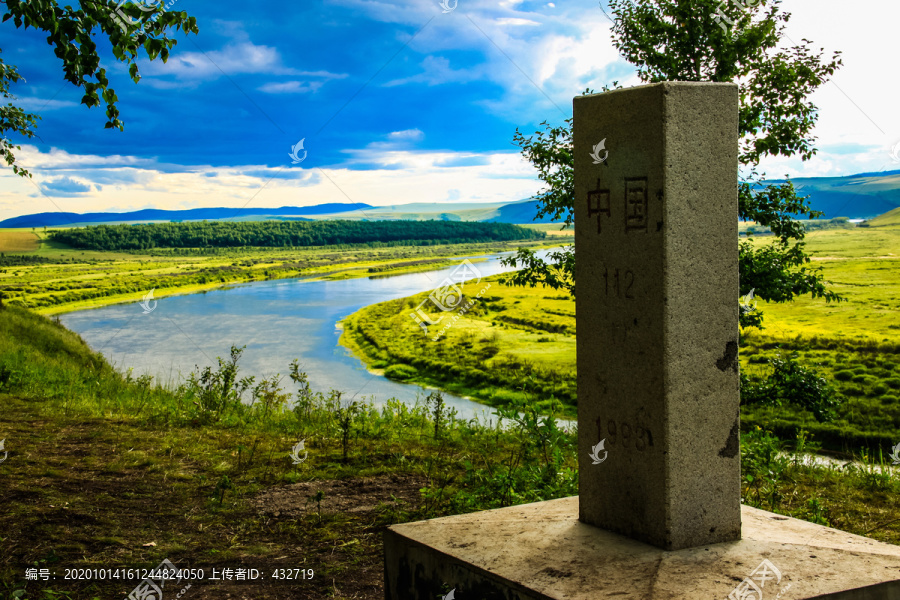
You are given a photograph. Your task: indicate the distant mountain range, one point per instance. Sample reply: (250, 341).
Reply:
(859, 196)
(515, 212)
(152, 215)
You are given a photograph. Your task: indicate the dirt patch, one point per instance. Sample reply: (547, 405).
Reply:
(18, 241)
(355, 496)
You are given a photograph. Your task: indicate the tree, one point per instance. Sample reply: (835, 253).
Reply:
(710, 40)
(130, 29)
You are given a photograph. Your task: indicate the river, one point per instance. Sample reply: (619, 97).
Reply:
(277, 320)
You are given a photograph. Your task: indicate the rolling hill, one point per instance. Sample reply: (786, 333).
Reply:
(150, 215)
(860, 196)
(515, 212)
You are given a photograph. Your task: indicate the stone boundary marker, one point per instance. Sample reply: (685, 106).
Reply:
(657, 309)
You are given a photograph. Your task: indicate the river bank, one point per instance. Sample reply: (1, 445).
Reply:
(512, 346)
(57, 280)
(277, 320)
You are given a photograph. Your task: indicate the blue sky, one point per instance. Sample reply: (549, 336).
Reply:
(396, 102)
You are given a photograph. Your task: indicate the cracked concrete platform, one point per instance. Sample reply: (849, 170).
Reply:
(541, 551)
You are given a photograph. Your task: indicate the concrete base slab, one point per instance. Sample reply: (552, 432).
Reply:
(541, 551)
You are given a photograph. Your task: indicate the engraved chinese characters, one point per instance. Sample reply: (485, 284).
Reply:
(657, 275)
(634, 215)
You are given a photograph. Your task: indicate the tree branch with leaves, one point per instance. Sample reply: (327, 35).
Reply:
(72, 32)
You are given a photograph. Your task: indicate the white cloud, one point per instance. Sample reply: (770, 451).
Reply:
(291, 87)
(436, 70)
(130, 183)
(407, 134)
(233, 59)
(516, 22)
(40, 105)
(238, 57)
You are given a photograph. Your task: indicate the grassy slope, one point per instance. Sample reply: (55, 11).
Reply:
(99, 467)
(855, 343)
(862, 264)
(514, 344)
(102, 472)
(891, 217)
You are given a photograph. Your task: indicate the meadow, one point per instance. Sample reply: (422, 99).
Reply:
(52, 277)
(518, 344)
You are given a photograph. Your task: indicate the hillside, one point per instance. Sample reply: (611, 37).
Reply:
(67, 219)
(520, 212)
(107, 469)
(858, 196)
(892, 217)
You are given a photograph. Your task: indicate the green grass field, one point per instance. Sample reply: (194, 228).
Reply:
(514, 344)
(52, 278)
(518, 343)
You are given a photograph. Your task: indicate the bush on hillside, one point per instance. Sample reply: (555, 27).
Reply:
(792, 383)
(400, 372)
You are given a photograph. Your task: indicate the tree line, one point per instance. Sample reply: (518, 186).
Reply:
(230, 234)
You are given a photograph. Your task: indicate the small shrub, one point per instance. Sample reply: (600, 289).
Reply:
(847, 376)
(893, 383)
(758, 359)
(889, 399)
(400, 372)
(861, 379)
(879, 390)
(793, 383)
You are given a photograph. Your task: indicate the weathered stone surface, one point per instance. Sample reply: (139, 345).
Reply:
(657, 312)
(542, 551)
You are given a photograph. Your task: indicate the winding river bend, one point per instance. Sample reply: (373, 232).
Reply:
(277, 320)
